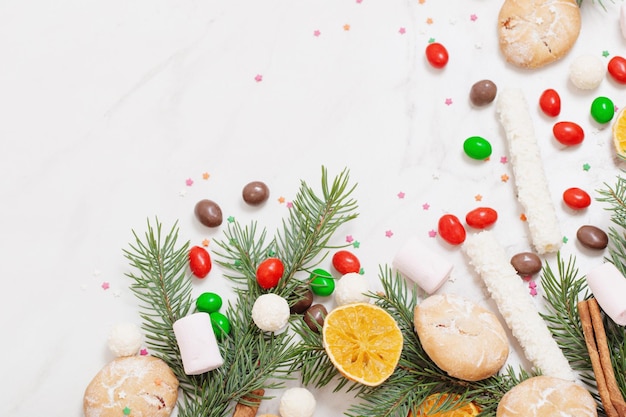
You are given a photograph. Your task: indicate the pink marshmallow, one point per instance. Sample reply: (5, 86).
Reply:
(608, 286)
(425, 267)
(197, 344)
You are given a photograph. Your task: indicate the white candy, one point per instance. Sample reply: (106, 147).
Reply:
(587, 72)
(351, 288)
(125, 339)
(198, 346)
(608, 286)
(270, 312)
(422, 265)
(297, 402)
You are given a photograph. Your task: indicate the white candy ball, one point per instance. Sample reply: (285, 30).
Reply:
(125, 339)
(351, 288)
(270, 312)
(587, 72)
(297, 402)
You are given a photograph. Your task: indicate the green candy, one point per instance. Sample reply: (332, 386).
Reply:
(602, 109)
(208, 302)
(322, 282)
(221, 325)
(477, 147)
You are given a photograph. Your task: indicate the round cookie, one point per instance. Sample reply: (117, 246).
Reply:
(142, 385)
(461, 337)
(546, 396)
(534, 33)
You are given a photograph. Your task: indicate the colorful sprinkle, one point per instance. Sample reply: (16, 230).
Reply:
(432, 233)
(356, 244)
(401, 194)
(258, 78)
(289, 204)
(126, 411)
(586, 167)
(143, 352)
(523, 217)
(346, 27)
(504, 178)
(205, 242)
(431, 40)
(105, 285)
(402, 31)
(429, 21)
(188, 182)
(605, 53)
(425, 206)
(205, 175)
(478, 197)
(448, 101)
(388, 233)
(316, 33)
(158, 381)
(349, 239)
(565, 239)
(281, 200)
(504, 160)
(473, 17)
(230, 219)
(533, 291)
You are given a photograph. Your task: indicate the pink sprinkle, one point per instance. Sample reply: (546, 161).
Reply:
(402, 31)
(359, 1)
(258, 78)
(448, 101)
(532, 284)
(401, 194)
(425, 206)
(143, 352)
(316, 33)
(473, 17)
(289, 204)
(504, 160)
(388, 233)
(432, 233)
(349, 239)
(189, 182)
(105, 285)
(533, 292)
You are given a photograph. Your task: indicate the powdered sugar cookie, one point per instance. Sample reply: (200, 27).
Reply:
(142, 386)
(534, 33)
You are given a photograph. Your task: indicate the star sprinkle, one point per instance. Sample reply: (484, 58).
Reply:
(565, 239)
(349, 239)
(586, 167)
(523, 217)
(402, 31)
(356, 244)
(359, 1)
(605, 53)
(143, 352)
(316, 33)
(121, 395)
(105, 285)
(425, 206)
(401, 195)
(504, 160)
(230, 219)
(289, 205)
(346, 27)
(432, 233)
(281, 200)
(429, 21)
(431, 40)
(473, 17)
(388, 233)
(478, 197)
(448, 101)
(421, 1)
(258, 78)
(205, 175)
(504, 178)
(188, 182)
(205, 242)
(126, 411)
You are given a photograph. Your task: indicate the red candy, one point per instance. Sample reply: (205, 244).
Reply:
(481, 217)
(550, 102)
(199, 261)
(617, 69)
(269, 272)
(568, 133)
(576, 199)
(437, 55)
(345, 262)
(451, 230)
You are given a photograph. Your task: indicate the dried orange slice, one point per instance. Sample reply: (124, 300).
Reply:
(363, 341)
(435, 400)
(619, 133)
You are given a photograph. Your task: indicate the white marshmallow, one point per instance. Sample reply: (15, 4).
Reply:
(608, 286)
(197, 343)
(419, 263)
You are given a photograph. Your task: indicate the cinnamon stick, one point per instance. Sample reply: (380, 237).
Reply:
(603, 391)
(605, 358)
(245, 410)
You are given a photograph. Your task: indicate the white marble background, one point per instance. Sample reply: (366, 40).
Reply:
(108, 107)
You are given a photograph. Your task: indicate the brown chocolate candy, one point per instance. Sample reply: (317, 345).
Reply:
(209, 213)
(255, 193)
(483, 92)
(314, 316)
(592, 237)
(526, 263)
(304, 297)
